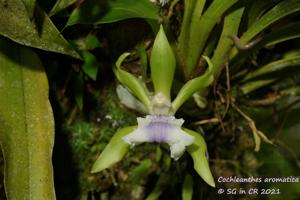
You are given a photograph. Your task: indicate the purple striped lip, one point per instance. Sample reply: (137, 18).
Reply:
(161, 129)
(157, 131)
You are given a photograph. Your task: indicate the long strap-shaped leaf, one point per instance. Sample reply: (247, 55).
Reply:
(200, 33)
(102, 12)
(231, 26)
(281, 10)
(270, 73)
(26, 124)
(282, 34)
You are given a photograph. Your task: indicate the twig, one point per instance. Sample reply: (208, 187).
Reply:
(170, 13)
(264, 102)
(228, 99)
(206, 121)
(244, 47)
(257, 134)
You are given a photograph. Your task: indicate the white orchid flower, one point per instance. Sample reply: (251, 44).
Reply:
(161, 128)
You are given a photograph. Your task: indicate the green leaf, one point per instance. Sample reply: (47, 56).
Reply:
(193, 86)
(274, 67)
(270, 73)
(254, 85)
(230, 27)
(60, 5)
(141, 51)
(141, 171)
(198, 153)
(162, 64)
(101, 12)
(78, 90)
(281, 10)
(134, 84)
(114, 151)
(293, 91)
(27, 124)
(187, 188)
(92, 42)
(288, 32)
(16, 25)
(201, 31)
(90, 65)
(30, 6)
(257, 8)
(282, 34)
(160, 186)
(184, 35)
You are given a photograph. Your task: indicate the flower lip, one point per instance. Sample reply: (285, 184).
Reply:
(161, 129)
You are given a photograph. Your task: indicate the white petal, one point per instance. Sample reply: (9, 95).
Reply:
(136, 137)
(142, 122)
(177, 150)
(179, 140)
(179, 136)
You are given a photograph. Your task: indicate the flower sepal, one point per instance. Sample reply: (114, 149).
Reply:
(198, 153)
(114, 151)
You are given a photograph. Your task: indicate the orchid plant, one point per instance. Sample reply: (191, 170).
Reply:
(160, 124)
(230, 60)
(188, 56)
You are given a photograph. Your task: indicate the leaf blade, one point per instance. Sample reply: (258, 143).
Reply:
(95, 12)
(42, 34)
(27, 124)
(282, 9)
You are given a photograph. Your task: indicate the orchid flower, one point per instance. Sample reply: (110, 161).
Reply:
(160, 124)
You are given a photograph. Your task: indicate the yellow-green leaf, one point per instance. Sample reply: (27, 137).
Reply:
(26, 124)
(30, 6)
(60, 5)
(102, 12)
